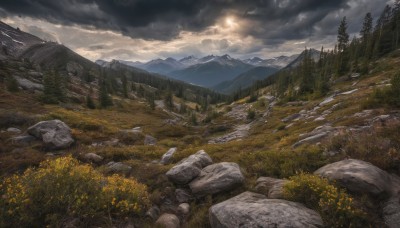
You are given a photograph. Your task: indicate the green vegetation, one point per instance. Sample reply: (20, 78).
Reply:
(53, 91)
(63, 188)
(336, 207)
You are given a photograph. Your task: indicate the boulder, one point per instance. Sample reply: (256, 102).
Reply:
(357, 176)
(23, 140)
(150, 140)
(291, 117)
(55, 134)
(312, 139)
(255, 210)
(118, 167)
(168, 221)
(271, 187)
(189, 168)
(217, 178)
(153, 213)
(92, 157)
(27, 84)
(184, 208)
(391, 212)
(13, 130)
(166, 158)
(182, 196)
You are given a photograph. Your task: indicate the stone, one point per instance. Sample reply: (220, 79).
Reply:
(118, 167)
(150, 140)
(168, 221)
(166, 158)
(92, 157)
(291, 117)
(391, 212)
(153, 213)
(189, 168)
(182, 196)
(13, 130)
(312, 139)
(255, 210)
(23, 140)
(357, 176)
(184, 208)
(27, 84)
(217, 178)
(326, 101)
(271, 187)
(55, 134)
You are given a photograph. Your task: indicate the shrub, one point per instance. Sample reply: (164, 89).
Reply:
(336, 207)
(62, 188)
(251, 114)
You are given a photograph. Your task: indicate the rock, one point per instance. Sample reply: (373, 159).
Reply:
(217, 178)
(27, 84)
(13, 130)
(23, 140)
(118, 167)
(92, 157)
(326, 101)
(168, 221)
(55, 134)
(240, 131)
(184, 208)
(391, 212)
(153, 213)
(357, 176)
(166, 158)
(349, 92)
(182, 196)
(312, 139)
(271, 187)
(189, 168)
(255, 210)
(291, 117)
(150, 140)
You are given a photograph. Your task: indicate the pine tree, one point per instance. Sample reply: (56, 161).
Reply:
(366, 39)
(168, 100)
(89, 102)
(12, 84)
(343, 36)
(104, 98)
(124, 86)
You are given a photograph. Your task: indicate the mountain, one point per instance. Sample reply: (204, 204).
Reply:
(245, 79)
(160, 66)
(211, 70)
(314, 55)
(277, 62)
(189, 61)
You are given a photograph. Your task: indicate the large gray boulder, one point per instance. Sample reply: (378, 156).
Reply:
(166, 158)
(55, 134)
(255, 210)
(357, 176)
(271, 187)
(168, 221)
(27, 84)
(189, 168)
(217, 178)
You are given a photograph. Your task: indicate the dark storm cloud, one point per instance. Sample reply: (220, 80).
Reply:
(273, 21)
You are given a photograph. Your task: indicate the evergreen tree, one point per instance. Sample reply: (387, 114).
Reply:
(343, 36)
(124, 86)
(89, 102)
(168, 100)
(12, 84)
(365, 34)
(104, 98)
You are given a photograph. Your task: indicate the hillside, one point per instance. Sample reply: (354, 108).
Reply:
(108, 144)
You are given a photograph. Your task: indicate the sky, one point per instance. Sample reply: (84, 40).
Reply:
(141, 30)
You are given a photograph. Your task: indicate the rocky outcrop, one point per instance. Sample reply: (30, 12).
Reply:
(118, 167)
(271, 187)
(150, 140)
(166, 158)
(255, 210)
(358, 176)
(168, 221)
(55, 134)
(217, 178)
(27, 84)
(189, 168)
(92, 157)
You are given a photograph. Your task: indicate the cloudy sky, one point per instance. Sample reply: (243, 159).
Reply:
(148, 29)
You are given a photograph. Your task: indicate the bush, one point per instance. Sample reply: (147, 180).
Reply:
(336, 207)
(251, 114)
(61, 189)
(386, 97)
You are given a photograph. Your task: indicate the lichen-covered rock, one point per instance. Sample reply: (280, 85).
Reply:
(166, 158)
(189, 168)
(217, 178)
(255, 210)
(55, 134)
(92, 157)
(357, 176)
(271, 187)
(168, 221)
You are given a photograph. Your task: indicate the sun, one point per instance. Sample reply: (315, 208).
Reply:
(230, 21)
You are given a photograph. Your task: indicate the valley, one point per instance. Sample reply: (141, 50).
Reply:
(306, 140)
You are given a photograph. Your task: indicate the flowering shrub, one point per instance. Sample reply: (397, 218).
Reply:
(336, 207)
(63, 188)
